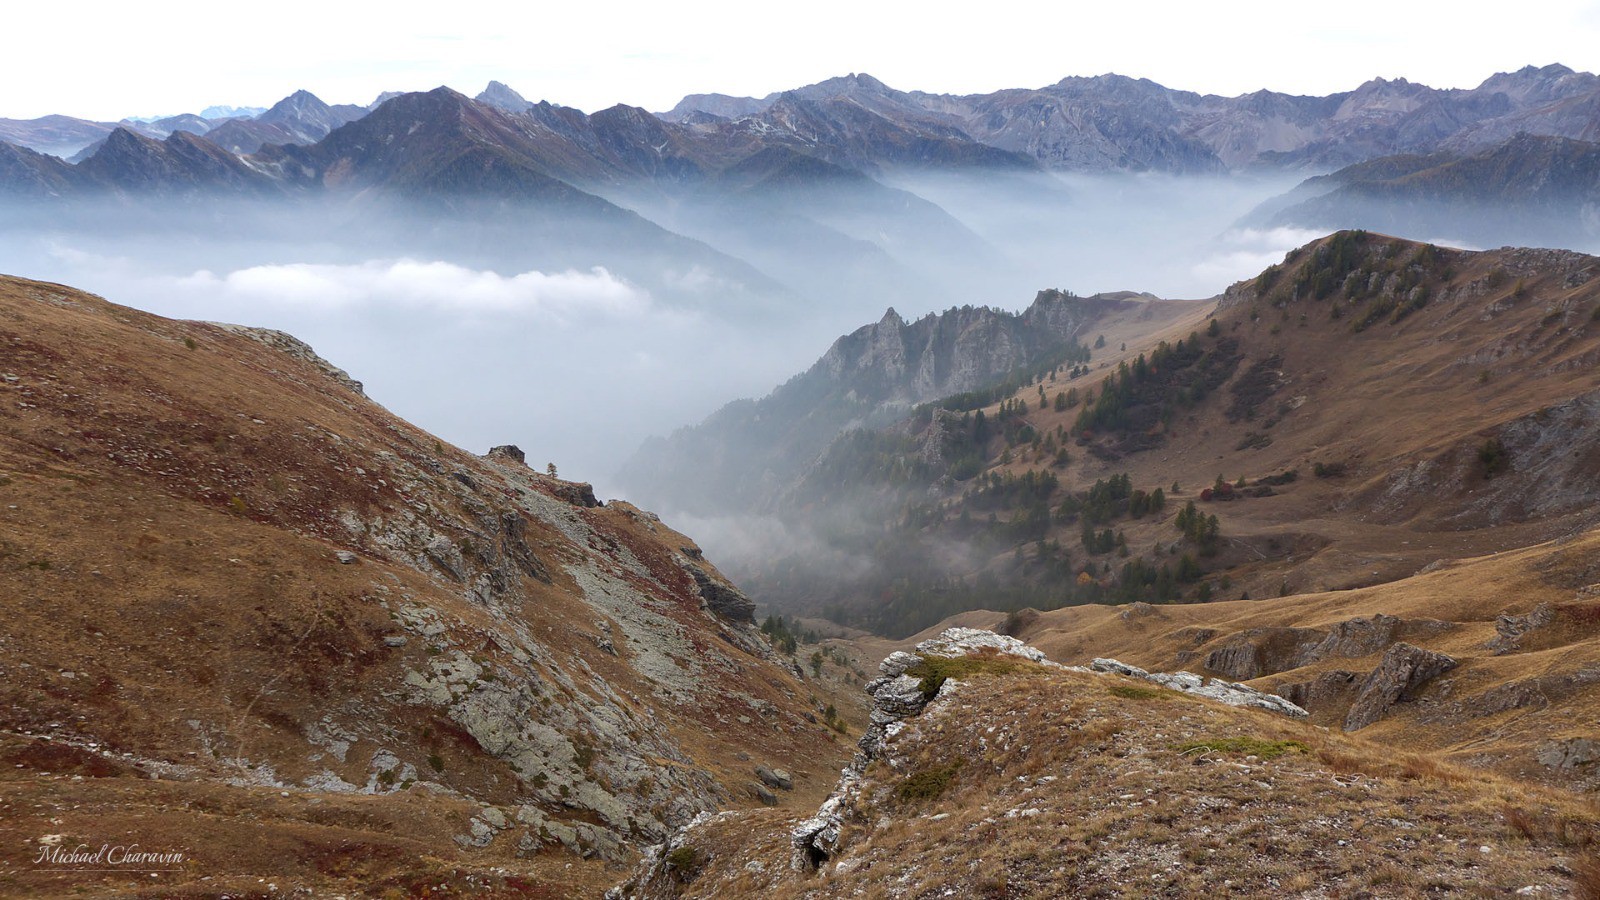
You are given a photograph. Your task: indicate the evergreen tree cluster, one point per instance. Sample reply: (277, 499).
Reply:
(1200, 529)
(1150, 391)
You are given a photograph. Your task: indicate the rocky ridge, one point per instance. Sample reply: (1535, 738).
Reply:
(744, 456)
(1025, 776)
(906, 688)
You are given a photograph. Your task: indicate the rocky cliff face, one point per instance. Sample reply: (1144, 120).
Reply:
(272, 583)
(747, 453)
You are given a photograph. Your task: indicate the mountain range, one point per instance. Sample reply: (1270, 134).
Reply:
(1530, 190)
(1104, 123)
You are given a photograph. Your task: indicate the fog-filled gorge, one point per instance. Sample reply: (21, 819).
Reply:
(573, 338)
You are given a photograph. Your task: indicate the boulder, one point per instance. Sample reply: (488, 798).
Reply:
(1113, 667)
(899, 697)
(1403, 670)
(895, 664)
(508, 452)
(1567, 754)
(777, 778)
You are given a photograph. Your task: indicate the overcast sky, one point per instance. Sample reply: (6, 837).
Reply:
(105, 60)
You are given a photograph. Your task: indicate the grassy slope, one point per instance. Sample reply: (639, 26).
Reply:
(171, 499)
(1069, 784)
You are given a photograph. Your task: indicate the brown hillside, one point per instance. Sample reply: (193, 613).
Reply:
(1067, 784)
(500, 685)
(1417, 358)
(1419, 540)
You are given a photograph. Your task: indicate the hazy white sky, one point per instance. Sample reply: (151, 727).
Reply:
(105, 60)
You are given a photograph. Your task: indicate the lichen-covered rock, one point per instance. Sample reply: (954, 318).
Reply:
(956, 642)
(1567, 754)
(722, 599)
(777, 778)
(895, 697)
(817, 838)
(1115, 667)
(1510, 629)
(898, 697)
(896, 663)
(1228, 692)
(1404, 668)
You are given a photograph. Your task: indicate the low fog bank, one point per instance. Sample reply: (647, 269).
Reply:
(579, 339)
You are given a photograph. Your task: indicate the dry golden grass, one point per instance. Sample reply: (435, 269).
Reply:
(1067, 790)
(173, 497)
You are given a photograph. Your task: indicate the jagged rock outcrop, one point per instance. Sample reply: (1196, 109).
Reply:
(749, 454)
(1404, 669)
(721, 598)
(1509, 629)
(509, 452)
(1227, 692)
(1265, 651)
(896, 696)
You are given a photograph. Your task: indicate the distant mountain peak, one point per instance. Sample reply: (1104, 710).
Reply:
(501, 96)
(296, 105)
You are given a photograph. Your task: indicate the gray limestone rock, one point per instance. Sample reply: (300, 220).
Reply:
(1404, 669)
(1510, 629)
(956, 642)
(777, 778)
(1228, 692)
(760, 792)
(895, 664)
(1571, 753)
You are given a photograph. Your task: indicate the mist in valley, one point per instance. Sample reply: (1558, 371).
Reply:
(577, 336)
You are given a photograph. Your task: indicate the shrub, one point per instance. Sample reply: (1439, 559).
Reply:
(935, 670)
(928, 784)
(1134, 692)
(1492, 455)
(685, 863)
